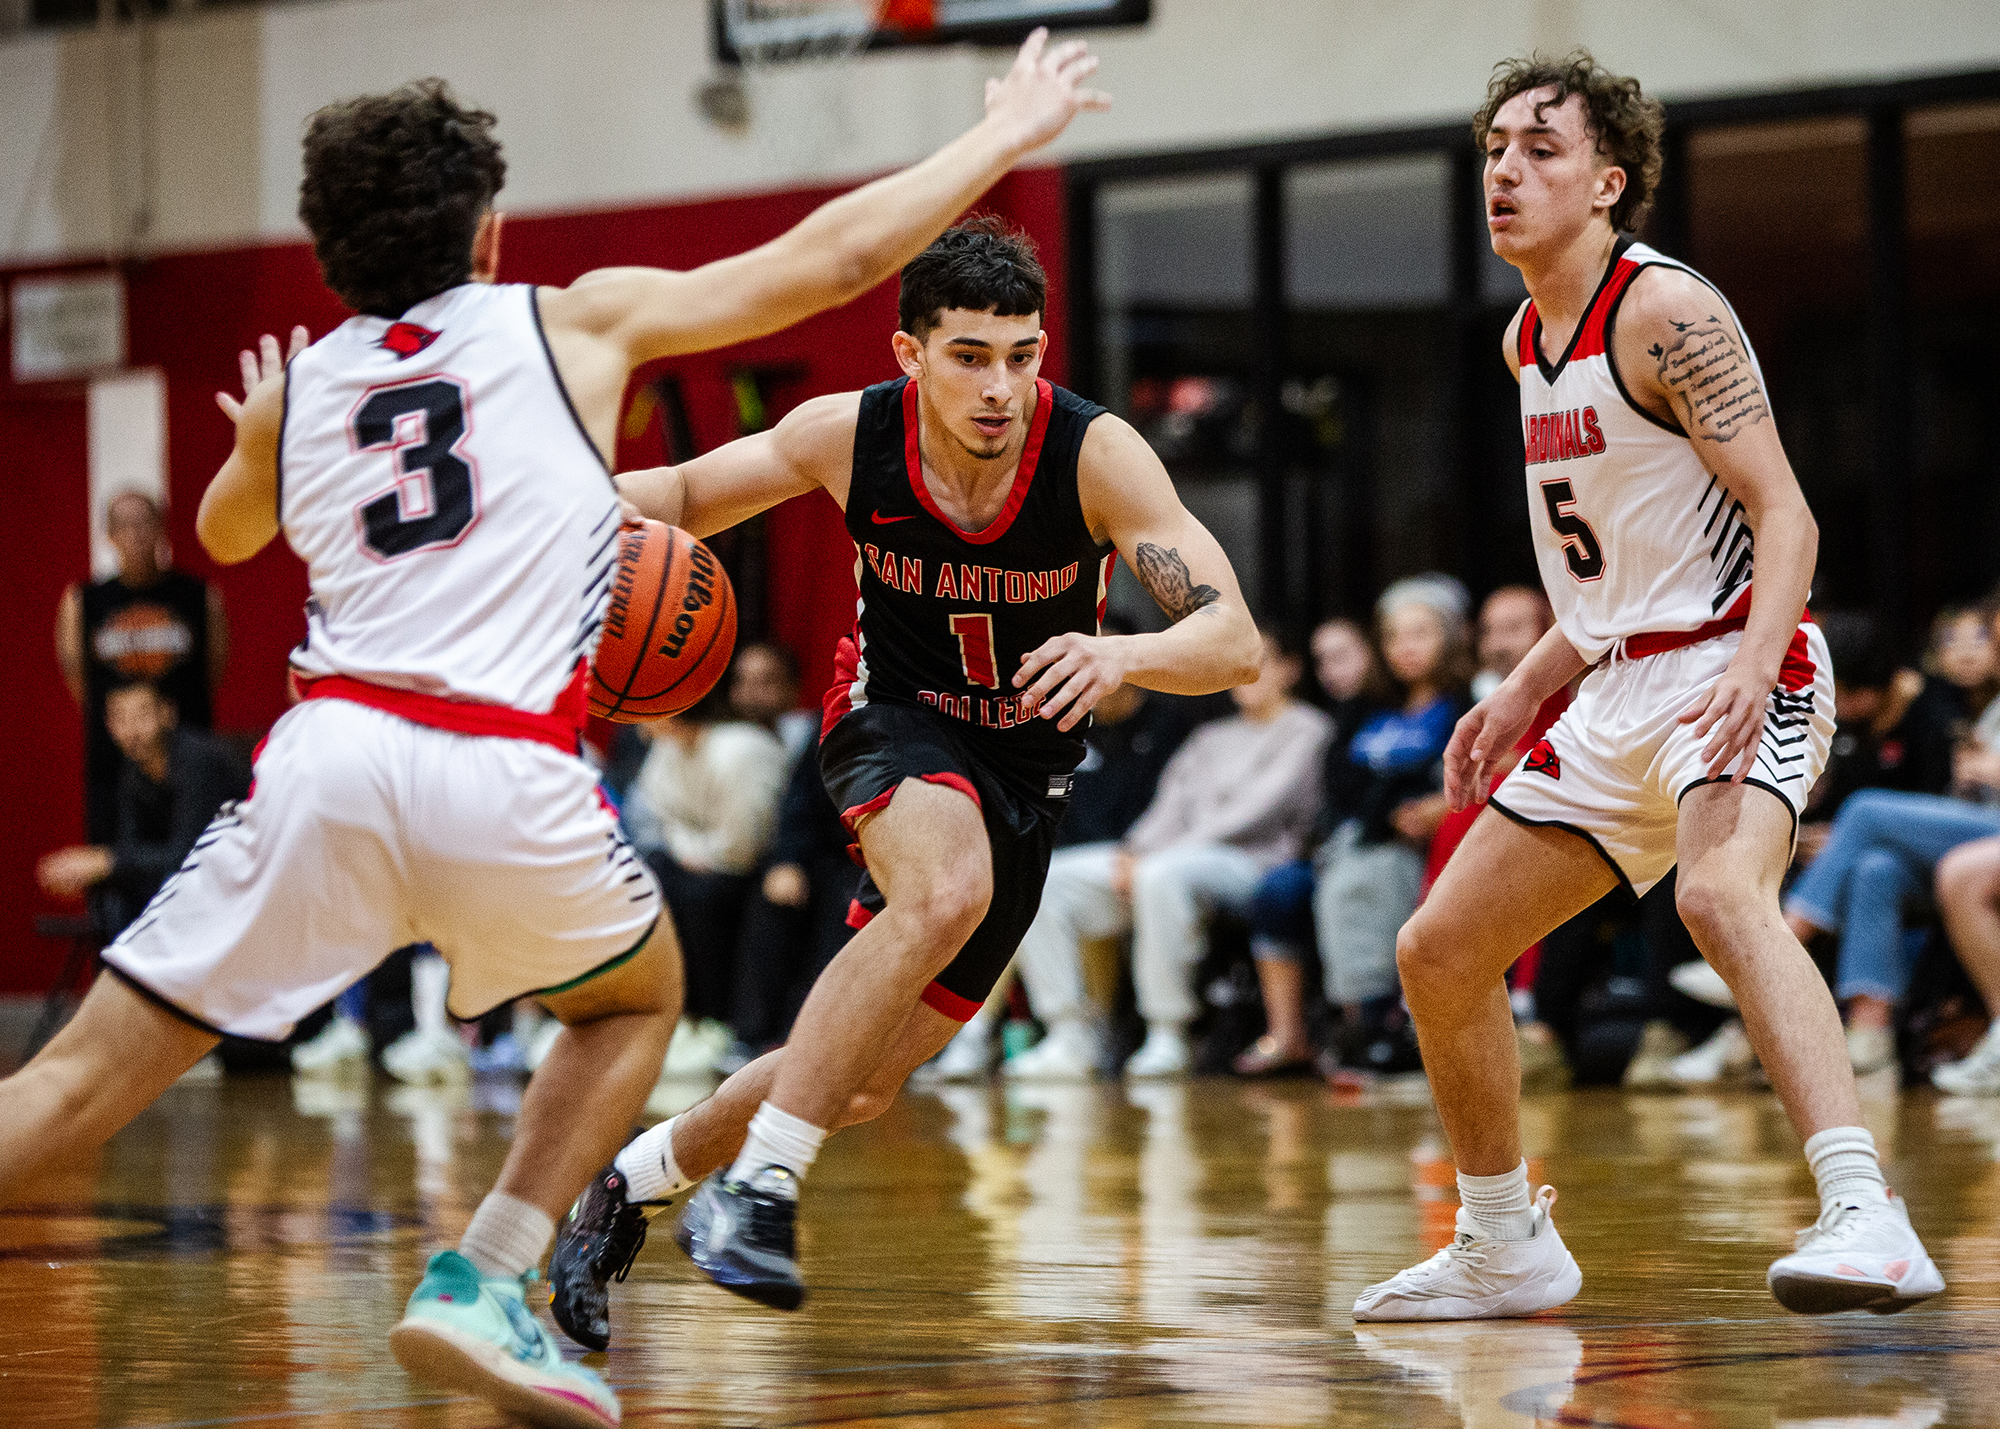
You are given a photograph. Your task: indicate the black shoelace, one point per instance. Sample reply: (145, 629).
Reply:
(623, 1240)
(770, 1219)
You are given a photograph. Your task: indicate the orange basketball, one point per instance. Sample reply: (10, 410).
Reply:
(669, 630)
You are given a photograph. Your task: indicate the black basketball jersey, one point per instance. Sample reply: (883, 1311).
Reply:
(157, 632)
(946, 614)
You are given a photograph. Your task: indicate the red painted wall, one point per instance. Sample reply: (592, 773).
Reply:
(189, 314)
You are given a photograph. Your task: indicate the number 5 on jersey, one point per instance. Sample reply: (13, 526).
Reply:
(975, 649)
(1581, 552)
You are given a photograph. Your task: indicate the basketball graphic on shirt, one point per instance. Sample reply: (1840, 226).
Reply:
(143, 641)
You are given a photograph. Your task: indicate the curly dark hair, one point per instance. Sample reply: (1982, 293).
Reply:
(1626, 124)
(394, 188)
(980, 266)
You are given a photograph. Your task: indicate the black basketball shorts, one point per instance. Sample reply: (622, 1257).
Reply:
(866, 757)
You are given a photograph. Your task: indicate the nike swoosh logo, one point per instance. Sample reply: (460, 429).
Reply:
(880, 520)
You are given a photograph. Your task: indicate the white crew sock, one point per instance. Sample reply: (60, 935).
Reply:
(1844, 1163)
(777, 1138)
(507, 1236)
(1500, 1205)
(430, 981)
(648, 1166)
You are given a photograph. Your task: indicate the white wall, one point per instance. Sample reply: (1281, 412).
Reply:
(188, 135)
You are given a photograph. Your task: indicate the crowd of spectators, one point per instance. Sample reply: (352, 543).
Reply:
(1228, 883)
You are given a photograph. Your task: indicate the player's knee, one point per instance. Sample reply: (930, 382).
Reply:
(1710, 906)
(950, 907)
(1420, 958)
(1968, 874)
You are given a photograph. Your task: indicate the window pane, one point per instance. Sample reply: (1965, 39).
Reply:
(1777, 218)
(1952, 173)
(1368, 233)
(1175, 275)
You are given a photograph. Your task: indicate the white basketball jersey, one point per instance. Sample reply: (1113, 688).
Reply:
(458, 524)
(1632, 532)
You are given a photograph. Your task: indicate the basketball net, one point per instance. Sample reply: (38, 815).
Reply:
(793, 58)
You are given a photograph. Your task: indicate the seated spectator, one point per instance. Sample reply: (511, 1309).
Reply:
(1234, 801)
(1968, 895)
(764, 689)
(169, 787)
(701, 811)
(1355, 686)
(1511, 620)
(1883, 847)
(1382, 806)
(797, 918)
(1133, 735)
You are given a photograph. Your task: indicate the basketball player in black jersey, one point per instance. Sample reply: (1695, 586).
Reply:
(986, 507)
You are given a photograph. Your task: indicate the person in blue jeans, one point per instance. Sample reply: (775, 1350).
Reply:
(1381, 808)
(1883, 848)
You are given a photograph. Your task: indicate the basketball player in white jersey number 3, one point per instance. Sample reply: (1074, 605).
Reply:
(440, 463)
(1657, 488)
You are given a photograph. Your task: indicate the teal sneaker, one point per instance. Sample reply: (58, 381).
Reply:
(478, 1336)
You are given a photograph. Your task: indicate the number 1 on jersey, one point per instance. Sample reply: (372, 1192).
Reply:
(975, 649)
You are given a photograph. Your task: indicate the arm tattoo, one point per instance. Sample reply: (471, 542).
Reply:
(1710, 381)
(1165, 576)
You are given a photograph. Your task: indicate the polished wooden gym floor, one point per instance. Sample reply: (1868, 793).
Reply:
(1090, 1256)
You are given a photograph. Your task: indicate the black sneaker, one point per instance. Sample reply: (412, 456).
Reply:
(740, 1235)
(595, 1245)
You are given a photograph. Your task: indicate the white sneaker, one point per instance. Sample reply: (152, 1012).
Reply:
(539, 1044)
(1859, 1255)
(426, 1059)
(342, 1045)
(1696, 979)
(967, 1056)
(1978, 1074)
(1870, 1049)
(1163, 1054)
(1479, 1278)
(1067, 1054)
(1660, 1046)
(695, 1047)
(1726, 1054)
(207, 1072)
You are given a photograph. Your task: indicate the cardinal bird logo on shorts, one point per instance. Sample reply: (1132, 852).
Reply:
(407, 339)
(1542, 760)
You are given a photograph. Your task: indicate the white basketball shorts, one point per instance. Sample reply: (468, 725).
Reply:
(365, 832)
(1617, 764)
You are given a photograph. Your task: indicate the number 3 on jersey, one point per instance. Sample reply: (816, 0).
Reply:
(433, 501)
(1581, 552)
(975, 649)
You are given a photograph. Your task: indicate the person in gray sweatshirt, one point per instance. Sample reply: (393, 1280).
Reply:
(1237, 799)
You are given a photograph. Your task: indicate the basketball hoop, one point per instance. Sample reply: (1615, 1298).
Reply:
(806, 40)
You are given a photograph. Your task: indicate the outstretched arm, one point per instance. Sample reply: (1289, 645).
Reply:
(812, 446)
(1680, 352)
(845, 247)
(239, 511)
(1212, 645)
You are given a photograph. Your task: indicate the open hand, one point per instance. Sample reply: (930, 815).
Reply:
(1038, 97)
(1731, 718)
(72, 872)
(259, 367)
(1070, 674)
(1483, 739)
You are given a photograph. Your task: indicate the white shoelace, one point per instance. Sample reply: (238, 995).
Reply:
(1837, 1225)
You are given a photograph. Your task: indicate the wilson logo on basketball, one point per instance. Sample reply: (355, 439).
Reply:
(700, 593)
(620, 608)
(1542, 760)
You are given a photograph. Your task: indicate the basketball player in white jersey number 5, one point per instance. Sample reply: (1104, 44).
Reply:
(1677, 550)
(441, 464)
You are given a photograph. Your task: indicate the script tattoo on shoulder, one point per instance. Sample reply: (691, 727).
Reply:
(1710, 380)
(1166, 578)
